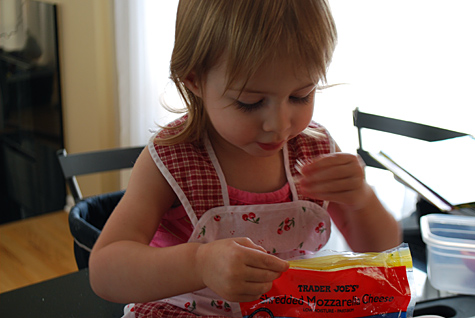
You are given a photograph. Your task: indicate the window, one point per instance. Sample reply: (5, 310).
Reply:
(411, 60)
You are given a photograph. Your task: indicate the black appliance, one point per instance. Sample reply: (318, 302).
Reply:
(31, 131)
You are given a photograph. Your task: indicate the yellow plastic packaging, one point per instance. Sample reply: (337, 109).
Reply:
(341, 284)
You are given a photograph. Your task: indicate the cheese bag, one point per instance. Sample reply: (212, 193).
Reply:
(341, 284)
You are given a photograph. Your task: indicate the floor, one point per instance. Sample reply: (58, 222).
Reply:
(34, 250)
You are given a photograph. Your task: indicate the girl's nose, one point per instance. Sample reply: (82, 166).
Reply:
(277, 119)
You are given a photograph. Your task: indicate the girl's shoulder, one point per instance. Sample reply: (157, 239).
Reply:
(171, 129)
(180, 151)
(315, 133)
(315, 125)
(314, 140)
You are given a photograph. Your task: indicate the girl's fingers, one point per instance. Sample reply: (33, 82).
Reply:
(259, 259)
(335, 166)
(332, 186)
(337, 177)
(258, 275)
(247, 242)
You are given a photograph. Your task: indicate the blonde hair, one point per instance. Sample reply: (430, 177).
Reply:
(247, 32)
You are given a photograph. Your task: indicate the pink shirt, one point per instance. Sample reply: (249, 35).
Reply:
(176, 227)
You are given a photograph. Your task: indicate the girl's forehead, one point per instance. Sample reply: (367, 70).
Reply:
(272, 73)
(272, 69)
(236, 66)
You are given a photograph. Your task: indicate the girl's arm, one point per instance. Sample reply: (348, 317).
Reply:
(354, 207)
(123, 268)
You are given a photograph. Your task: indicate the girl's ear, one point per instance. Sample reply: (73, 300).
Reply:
(191, 82)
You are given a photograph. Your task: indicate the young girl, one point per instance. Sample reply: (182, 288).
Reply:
(244, 180)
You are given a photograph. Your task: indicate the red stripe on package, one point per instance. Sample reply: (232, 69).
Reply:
(352, 292)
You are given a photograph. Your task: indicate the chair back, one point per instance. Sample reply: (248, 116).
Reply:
(89, 215)
(84, 163)
(395, 126)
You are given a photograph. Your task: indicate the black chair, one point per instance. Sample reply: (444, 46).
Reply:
(88, 216)
(396, 126)
(410, 224)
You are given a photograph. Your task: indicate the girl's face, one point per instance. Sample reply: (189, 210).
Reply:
(274, 107)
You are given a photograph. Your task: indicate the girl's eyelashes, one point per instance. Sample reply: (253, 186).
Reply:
(249, 107)
(300, 100)
(254, 106)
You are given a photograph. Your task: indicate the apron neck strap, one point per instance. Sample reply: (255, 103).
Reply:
(290, 178)
(219, 171)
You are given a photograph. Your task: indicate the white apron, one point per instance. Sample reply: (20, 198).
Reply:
(286, 230)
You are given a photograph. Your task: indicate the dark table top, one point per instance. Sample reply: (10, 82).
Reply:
(67, 296)
(72, 296)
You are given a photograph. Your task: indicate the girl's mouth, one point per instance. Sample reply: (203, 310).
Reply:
(270, 146)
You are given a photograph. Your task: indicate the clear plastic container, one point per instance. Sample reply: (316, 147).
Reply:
(450, 241)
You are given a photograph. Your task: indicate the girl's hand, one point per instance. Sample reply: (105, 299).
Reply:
(237, 269)
(337, 177)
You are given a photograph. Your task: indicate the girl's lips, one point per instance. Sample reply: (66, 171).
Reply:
(270, 146)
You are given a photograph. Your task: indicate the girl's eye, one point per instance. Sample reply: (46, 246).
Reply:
(254, 106)
(249, 107)
(300, 100)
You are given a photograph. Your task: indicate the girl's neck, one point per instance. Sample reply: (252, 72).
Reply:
(249, 173)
